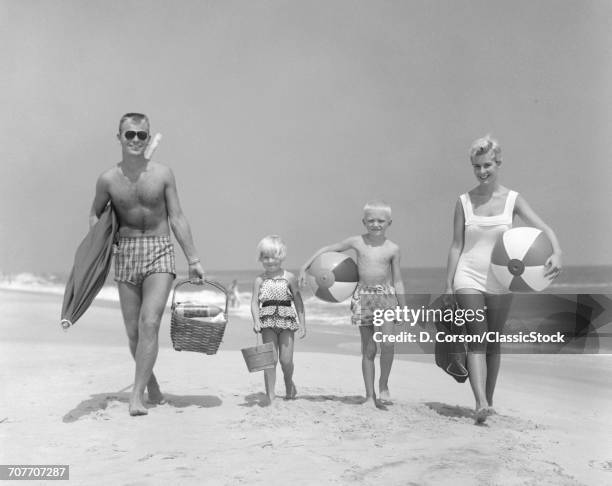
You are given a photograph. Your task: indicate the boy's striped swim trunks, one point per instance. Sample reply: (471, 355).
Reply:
(137, 257)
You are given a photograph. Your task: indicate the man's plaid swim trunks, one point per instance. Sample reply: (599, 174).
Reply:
(138, 257)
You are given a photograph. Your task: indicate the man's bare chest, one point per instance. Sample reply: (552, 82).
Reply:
(143, 191)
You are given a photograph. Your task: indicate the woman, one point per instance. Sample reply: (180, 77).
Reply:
(481, 216)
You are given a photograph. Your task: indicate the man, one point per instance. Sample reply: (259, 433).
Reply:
(144, 196)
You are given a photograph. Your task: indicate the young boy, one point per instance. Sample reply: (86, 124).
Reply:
(380, 287)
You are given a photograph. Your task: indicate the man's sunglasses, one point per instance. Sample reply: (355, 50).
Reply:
(130, 134)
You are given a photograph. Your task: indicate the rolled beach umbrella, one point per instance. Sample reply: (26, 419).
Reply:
(92, 263)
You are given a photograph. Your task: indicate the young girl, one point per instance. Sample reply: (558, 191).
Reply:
(481, 216)
(274, 316)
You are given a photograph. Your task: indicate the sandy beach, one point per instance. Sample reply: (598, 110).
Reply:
(64, 401)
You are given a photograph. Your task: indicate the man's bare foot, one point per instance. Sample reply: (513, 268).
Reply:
(269, 400)
(156, 399)
(291, 392)
(137, 408)
(155, 396)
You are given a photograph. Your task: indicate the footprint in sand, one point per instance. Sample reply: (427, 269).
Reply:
(173, 455)
(165, 456)
(145, 458)
(100, 415)
(604, 465)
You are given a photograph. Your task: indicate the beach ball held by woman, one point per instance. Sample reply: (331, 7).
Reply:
(519, 259)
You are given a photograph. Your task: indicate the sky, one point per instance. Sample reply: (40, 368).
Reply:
(285, 117)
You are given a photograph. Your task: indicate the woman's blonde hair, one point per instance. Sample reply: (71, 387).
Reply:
(484, 145)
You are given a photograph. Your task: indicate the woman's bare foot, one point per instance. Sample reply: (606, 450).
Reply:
(490, 407)
(482, 414)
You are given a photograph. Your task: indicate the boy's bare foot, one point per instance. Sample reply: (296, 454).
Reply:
(384, 395)
(364, 400)
(373, 401)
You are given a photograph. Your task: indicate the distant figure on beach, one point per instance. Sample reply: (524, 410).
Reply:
(144, 196)
(380, 287)
(481, 216)
(278, 311)
(233, 295)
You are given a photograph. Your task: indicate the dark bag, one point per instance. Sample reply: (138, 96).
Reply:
(451, 356)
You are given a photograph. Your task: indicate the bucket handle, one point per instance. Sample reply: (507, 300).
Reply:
(212, 283)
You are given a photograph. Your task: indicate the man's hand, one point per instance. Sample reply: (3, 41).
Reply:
(196, 272)
(302, 277)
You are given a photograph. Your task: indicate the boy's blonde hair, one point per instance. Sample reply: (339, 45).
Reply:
(484, 145)
(377, 204)
(272, 245)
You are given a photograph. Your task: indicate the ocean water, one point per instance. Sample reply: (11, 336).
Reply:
(574, 279)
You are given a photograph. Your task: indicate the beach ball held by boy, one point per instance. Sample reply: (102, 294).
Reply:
(332, 276)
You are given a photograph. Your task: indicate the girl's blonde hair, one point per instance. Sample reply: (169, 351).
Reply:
(272, 245)
(484, 145)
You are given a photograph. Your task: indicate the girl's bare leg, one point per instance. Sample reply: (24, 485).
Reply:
(285, 351)
(269, 336)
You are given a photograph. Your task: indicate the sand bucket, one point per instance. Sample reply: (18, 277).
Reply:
(259, 357)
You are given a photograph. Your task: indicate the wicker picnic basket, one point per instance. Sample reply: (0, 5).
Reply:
(201, 334)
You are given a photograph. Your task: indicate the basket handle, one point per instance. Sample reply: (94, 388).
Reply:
(212, 283)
